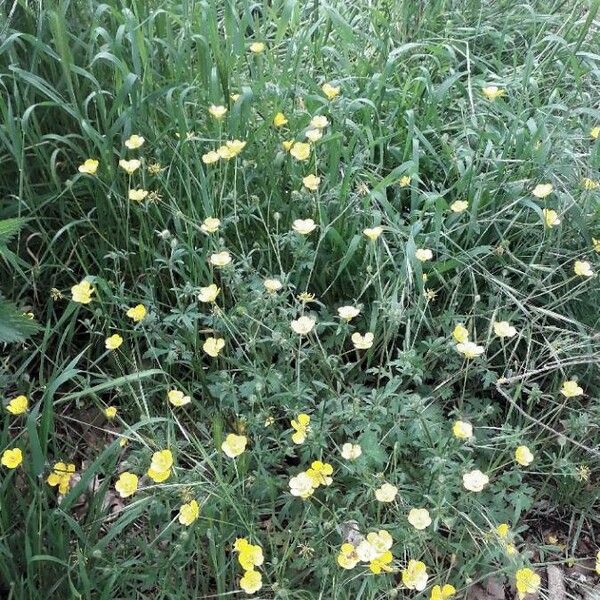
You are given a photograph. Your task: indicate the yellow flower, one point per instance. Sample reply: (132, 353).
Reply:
(300, 150)
(375, 544)
(210, 225)
(419, 518)
(527, 582)
(319, 122)
(134, 142)
(279, 120)
(550, 217)
(234, 445)
(423, 254)
(442, 593)
(351, 451)
(138, 195)
(257, 47)
(303, 226)
(18, 405)
(162, 460)
(301, 485)
(386, 493)
(178, 398)
(492, 92)
(590, 184)
(320, 473)
(218, 112)
(570, 389)
(272, 285)
(596, 244)
(348, 312)
(209, 293)
(414, 577)
(314, 135)
(404, 181)
(110, 412)
(137, 313)
(113, 342)
(231, 149)
(158, 476)
(583, 268)
(330, 91)
(373, 232)
(82, 292)
(301, 426)
(189, 512)
(523, 456)
(61, 476)
(303, 325)
(249, 555)
(459, 206)
(475, 481)
(130, 166)
(89, 167)
(347, 558)
(306, 297)
(595, 133)
(234, 97)
(381, 562)
(469, 349)
(220, 259)
(503, 531)
(12, 458)
(287, 145)
(504, 329)
(460, 334)
(212, 346)
(311, 182)
(362, 342)
(251, 582)
(462, 430)
(210, 157)
(127, 484)
(541, 190)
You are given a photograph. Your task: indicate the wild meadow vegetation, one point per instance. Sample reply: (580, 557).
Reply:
(299, 299)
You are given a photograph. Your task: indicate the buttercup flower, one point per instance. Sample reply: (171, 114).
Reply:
(583, 268)
(210, 157)
(189, 512)
(301, 427)
(110, 412)
(89, 167)
(459, 206)
(220, 259)
(210, 225)
(113, 342)
(311, 182)
(12, 458)
(134, 142)
(374, 545)
(304, 226)
(212, 346)
(231, 149)
(419, 518)
(373, 232)
(595, 133)
(386, 493)
(462, 430)
(127, 484)
(590, 184)
(414, 577)
(287, 145)
(300, 150)
(570, 389)
(460, 334)
(423, 254)
(218, 112)
(348, 312)
(178, 398)
(257, 47)
(492, 92)
(251, 582)
(404, 181)
(162, 460)
(523, 456)
(303, 325)
(330, 91)
(442, 593)
(347, 558)
(319, 122)
(209, 293)
(272, 285)
(320, 473)
(351, 451)
(362, 342)
(249, 555)
(504, 329)
(61, 476)
(541, 190)
(279, 120)
(527, 582)
(82, 292)
(137, 313)
(234, 445)
(18, 405)
(475, 481)
(469, 349)
(550, 217)
(301, 485)
(314, 135)
(130, 166)
(138, 195)
(381, 562)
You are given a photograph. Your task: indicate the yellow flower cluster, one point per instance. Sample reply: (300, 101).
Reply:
(373, 549)
(61, 476)
(227, 151)
(304, 484)
(250, 556)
